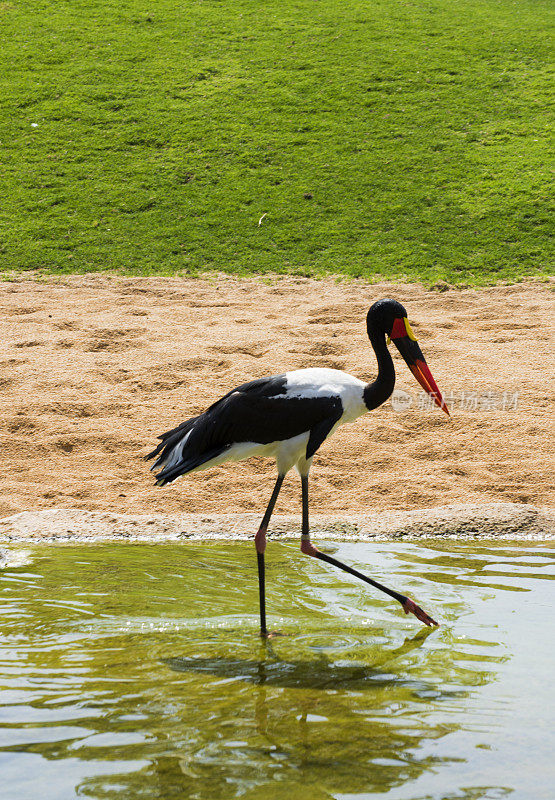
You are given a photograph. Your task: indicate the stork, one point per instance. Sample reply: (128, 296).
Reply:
(288, 417)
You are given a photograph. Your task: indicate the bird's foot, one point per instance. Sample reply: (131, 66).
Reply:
(410, 607)
(270, 634)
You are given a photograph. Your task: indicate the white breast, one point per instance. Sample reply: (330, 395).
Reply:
(323, 382)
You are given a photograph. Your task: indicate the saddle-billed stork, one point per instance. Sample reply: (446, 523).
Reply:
(288, 417)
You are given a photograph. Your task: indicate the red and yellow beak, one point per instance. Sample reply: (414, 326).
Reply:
(405, 341)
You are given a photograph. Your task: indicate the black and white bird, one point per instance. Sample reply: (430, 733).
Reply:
(288, 417)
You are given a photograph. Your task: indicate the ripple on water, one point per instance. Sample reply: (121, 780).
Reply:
(137, 671)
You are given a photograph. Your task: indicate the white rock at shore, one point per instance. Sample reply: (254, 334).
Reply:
(488, 520)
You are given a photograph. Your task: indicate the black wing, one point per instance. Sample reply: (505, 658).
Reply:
(259, 411)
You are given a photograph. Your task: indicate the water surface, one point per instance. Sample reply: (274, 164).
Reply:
(135, 671)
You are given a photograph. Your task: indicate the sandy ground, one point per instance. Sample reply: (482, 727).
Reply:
(93, 368)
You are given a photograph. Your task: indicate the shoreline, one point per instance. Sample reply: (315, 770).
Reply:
(517, 521)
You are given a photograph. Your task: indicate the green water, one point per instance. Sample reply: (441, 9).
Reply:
(135, 671)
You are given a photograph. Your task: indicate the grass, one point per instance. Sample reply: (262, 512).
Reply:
(376, 138)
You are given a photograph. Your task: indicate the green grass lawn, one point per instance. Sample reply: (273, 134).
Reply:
(377, 138)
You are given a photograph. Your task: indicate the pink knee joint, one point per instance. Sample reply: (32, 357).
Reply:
(260, 540)
(308, 548)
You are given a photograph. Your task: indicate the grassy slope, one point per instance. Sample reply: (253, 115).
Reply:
(165, 130)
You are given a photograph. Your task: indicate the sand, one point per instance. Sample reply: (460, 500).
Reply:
(93, 368)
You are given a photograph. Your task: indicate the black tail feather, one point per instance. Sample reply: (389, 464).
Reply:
(193, 452)
(169, 440)
(186, 465)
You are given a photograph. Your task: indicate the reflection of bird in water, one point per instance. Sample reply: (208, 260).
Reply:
(288, 417)
(316, 673)
(262, 718)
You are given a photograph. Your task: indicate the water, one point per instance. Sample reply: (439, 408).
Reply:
(135, 671)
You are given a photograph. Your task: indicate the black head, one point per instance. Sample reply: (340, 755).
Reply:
(382, 315)
(388, 317)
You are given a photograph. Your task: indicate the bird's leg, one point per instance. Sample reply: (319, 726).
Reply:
(260, 544)
(306, 545)
(409, 606)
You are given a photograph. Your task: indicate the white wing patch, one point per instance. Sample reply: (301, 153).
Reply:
(323, 382)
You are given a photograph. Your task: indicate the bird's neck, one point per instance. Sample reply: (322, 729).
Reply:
(377, 392)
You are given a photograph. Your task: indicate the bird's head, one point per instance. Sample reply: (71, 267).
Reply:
(389, 318)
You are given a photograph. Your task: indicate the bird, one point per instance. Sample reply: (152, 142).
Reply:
(288, 417)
